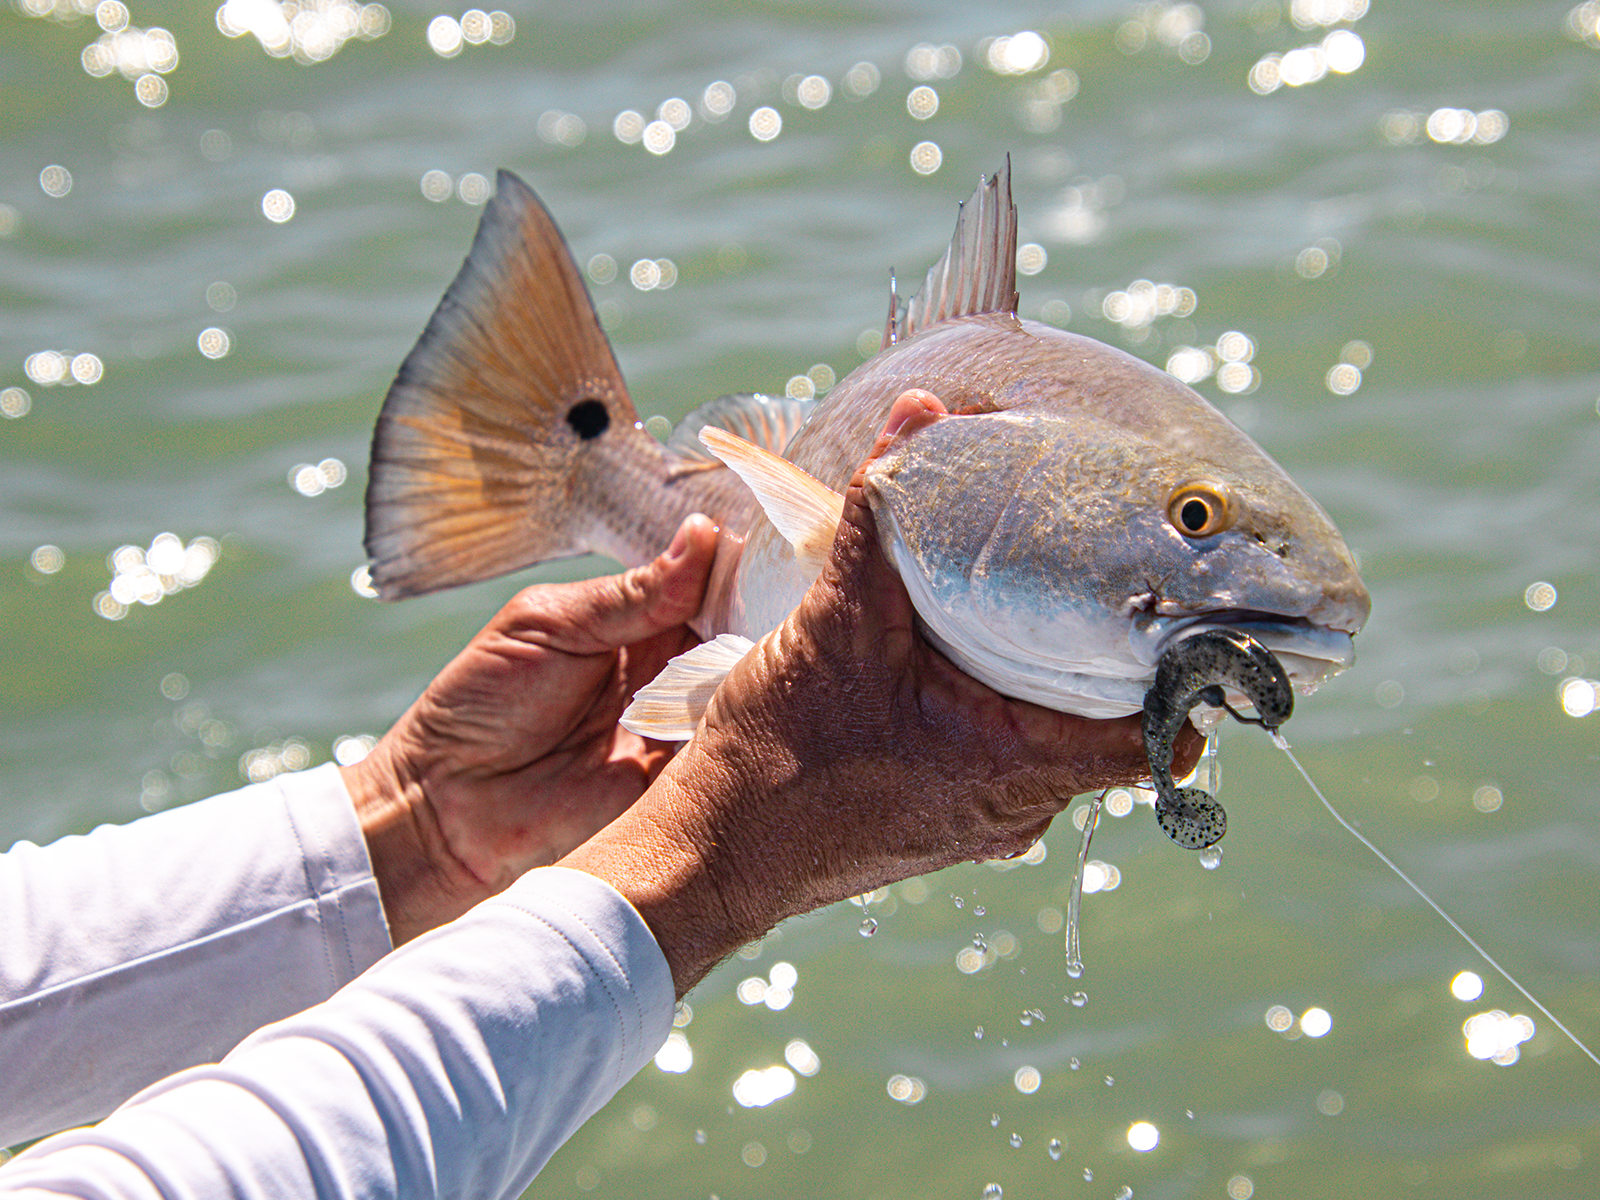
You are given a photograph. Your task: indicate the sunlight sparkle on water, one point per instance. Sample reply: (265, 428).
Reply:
(717, 101)
(277, 206)
(766, 123)
(214, 342)
(1017, 54)
(907, 1089)
(813, 92)
(313, 480)
(757, 1088)
(1315, 1022)
(1540, 597)
(1445, 126)
(923, 102)
(923, 62)
(1497, 1036)
(926, 158)
(1241, 1187)
(1026, 1080)
(14, 403)
(310, 31)
(47, 559)
(1580, 697)
(352, 748)
(1468, 985)
(861, 80)
(676, 1056)
(799, 1055)
(1143, 1136)
(143, 576)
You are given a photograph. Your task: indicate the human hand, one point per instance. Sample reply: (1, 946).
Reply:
(841, 754)
(512, 756)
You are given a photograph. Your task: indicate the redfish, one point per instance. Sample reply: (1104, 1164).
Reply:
(1073, 514)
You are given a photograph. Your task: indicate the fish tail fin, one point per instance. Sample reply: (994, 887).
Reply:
(978, 273)
(508, 432)
(670, 706)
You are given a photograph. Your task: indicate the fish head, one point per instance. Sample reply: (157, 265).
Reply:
(1055, 548)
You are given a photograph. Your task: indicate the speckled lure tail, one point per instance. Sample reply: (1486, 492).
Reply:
(1192, 672)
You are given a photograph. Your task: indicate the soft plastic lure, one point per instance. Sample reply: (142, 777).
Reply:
(1198, 670)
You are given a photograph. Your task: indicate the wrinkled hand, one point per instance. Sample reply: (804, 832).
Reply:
(513, 754)
(841, 754)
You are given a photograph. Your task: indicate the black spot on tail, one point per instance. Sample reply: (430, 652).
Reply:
(588, 419)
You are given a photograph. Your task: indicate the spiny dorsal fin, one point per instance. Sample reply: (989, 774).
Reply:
(803, 509)
(765, 421)
(978, 273)
(670, 706)
(490, 416)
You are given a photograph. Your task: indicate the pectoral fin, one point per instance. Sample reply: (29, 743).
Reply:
(670, 706)
(803, 509)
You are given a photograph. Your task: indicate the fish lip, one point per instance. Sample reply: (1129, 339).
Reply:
(1331, 649)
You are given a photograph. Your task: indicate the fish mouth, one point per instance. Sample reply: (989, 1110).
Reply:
(1311, 654)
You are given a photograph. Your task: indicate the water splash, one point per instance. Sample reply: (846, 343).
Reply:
(1075, 899)
(1281, 743)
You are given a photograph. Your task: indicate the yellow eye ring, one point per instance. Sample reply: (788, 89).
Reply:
(1200, 508)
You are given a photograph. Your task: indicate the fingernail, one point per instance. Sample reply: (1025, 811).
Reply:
(680, 543)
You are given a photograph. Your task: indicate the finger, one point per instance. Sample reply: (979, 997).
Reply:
(599, 615)
(859, 569)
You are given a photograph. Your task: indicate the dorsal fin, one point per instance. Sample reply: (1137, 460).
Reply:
(978, 273)
(765, 421)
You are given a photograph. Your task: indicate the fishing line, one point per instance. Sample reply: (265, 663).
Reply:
(1283, 745)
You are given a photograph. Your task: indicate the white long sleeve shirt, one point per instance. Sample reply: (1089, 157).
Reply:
(453, 1067)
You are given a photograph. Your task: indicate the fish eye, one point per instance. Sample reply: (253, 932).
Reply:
(1200, 508)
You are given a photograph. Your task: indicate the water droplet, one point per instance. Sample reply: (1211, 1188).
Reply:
(699, 1137)
(1016, 1141)
(1189, 1112)
(1027, 1019)
(979, 910)
(1109, 1081)
(1074, 1063)
(1054, 1149)
(1088, 1175)
(978, 1033)
(1079, 999)
(1124, 1193)
(960, 903)
(869, 927)
(978, 943)
(994, 1121)
(1211, 857)
(1075, 968)
(993, 1191)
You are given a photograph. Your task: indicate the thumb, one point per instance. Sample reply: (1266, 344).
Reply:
(617, 610)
